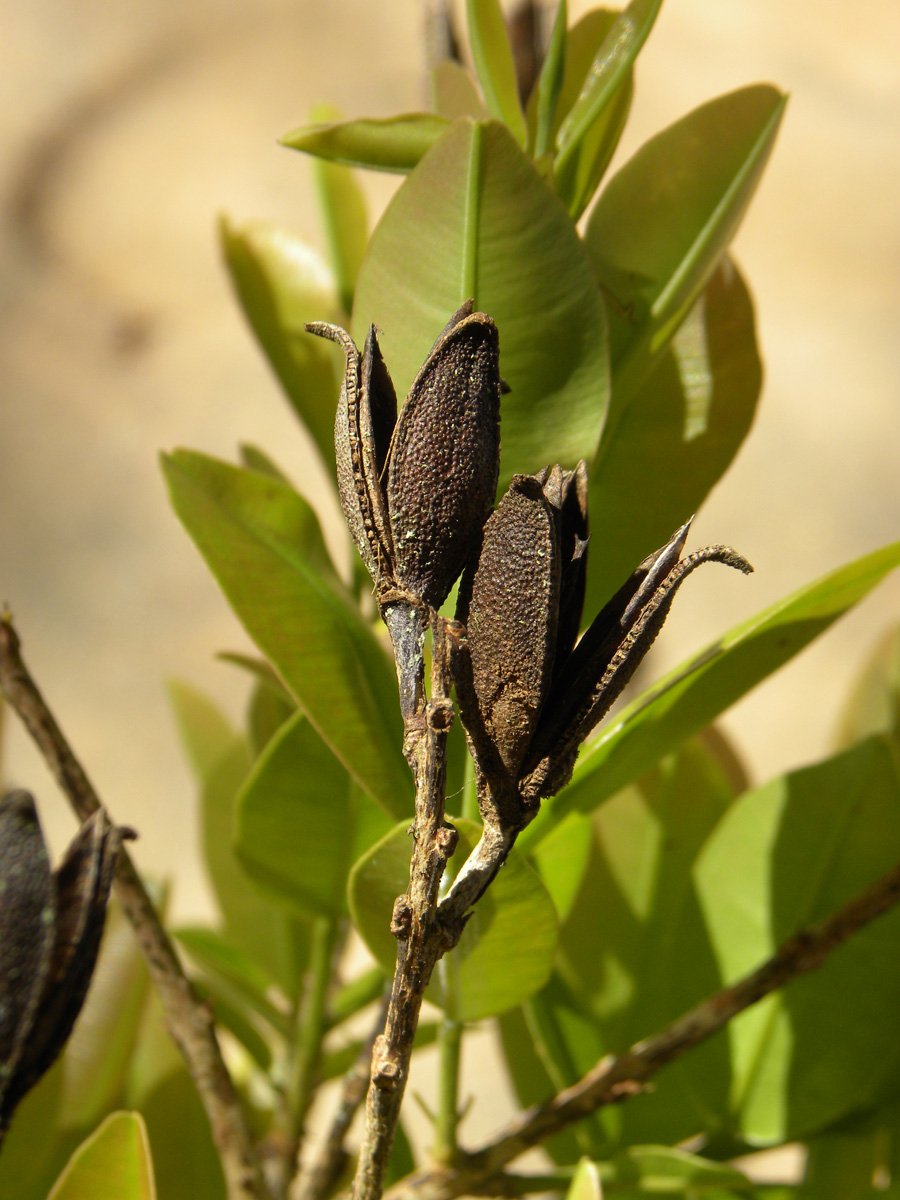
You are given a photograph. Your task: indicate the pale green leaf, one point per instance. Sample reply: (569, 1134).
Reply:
(695, 693)
(113, 1164)
(663, 221)
(301, 822)
(788, 854)
(585, 1183)
(493, 59)
(453, 92)
(680, 433)
(475, 220)
(605, 85)
(385, 144)
(245, 526)
(550, 82)
(281, 284)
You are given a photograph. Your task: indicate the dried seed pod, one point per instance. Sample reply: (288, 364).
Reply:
(606, 657)
(445, 457)
(363, 425)
(530, 694)
(511, 606)
(42, 992)
(417, 489)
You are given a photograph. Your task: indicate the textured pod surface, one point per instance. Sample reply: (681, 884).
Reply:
(363, 425)
(445, 456)
(50, 931)
(27, 911)
(511, 618)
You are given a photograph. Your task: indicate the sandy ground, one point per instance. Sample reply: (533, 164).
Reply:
(125, 128)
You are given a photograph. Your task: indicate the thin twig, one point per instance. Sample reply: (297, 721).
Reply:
(320, 1177)
(617, 1077)
(188, 1020)
(421, 937)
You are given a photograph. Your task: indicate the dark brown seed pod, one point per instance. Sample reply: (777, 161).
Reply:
(42, 993)
(594, 675)
(529, 695)
(416, 490)
(444, 458)
(363, 425)
(510, 606)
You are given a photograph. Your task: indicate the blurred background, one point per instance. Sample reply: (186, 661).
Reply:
(127, 127)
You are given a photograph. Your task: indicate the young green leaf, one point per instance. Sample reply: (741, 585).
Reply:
(244, 525)
(453, 92)
(696, 692)
(474, 206)
(492, 55)
(250, 924)
(300, 823)
(664, 220)
(786, 855)
(386, 144)
(585, 1183)
(506, 950)
(874, 703)
(281, 284)
(678, 436)
(550, 81)
(206, 733)
(114, 1162)
(611, 69)
(219, 959)
(343, 210)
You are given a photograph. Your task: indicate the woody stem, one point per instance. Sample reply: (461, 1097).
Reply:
(421, 938)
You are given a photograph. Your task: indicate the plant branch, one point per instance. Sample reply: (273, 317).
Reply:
(307, 1048)
(617, 1077)
(318, 1180)
(188, 1020)
(421, 937)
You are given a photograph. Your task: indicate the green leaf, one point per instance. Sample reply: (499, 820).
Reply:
(251, 924)
(267, 711)
(221, 960)
(661, 1170)
(185, 1161)
(281, 284)
(648, 959)
(453, 92)
(788, 854)
(585, 1183)
(606, 83)
(550, 82)
(561, 860)
(678, 435)
(476, 220)
(664, 220)
(856, 1160)
(245, 526)
(113, 1164)
(548, 1043)
(256, 459)
(493, 59)
(692, 695)
(343, 208)
(874, 703)
(205, 731)
(301, 823)
(506, 950)
(385, 144)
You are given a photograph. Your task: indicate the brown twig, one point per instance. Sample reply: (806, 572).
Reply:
(188, 1020)
(616, 1077)
(421, 937)
(322, 1174)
